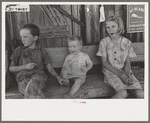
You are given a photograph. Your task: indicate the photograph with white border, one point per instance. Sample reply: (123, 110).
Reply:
(75, 61)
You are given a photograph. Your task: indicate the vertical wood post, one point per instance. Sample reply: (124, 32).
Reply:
(88, 23)
(97, 19)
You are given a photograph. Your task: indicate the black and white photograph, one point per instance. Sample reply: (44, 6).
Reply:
(75, 61)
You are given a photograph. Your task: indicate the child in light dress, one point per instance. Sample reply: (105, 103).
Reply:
(115, 51)
(75, 66)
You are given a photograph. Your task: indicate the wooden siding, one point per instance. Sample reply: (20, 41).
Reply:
(51, 21)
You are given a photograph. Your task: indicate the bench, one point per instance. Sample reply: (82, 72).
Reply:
(94, 86)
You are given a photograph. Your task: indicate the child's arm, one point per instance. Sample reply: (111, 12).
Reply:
(49, 67)
(63, 72)
(53, 73)
(127, 66)
(109, 67)
(65, 66)
(14, 68)
(89, 64)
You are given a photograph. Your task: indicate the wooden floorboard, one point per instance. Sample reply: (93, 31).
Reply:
(94, 87)
(13, 93)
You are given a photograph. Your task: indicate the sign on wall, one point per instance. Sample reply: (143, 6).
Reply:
(17, 8)
(135, 18)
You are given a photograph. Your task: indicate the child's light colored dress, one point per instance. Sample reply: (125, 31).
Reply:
(76, 66)
(116, 56)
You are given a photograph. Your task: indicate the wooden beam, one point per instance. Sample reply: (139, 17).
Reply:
(54, 29)
(49, 16)
(60, 17)
(68, 20)
(54, 14)
(68, 15)
(96, 23)
(75, 14)
(53, 42)
(36, 16)
(88, 23)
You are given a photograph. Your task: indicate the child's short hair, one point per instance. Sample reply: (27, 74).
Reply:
(75, 37)
(34, 30)
(119, 21)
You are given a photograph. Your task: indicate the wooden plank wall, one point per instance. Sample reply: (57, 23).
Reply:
(48, 17)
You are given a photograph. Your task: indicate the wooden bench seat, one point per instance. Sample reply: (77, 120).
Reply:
(94, 86)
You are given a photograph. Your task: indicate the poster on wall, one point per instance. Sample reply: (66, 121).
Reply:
(135, 18)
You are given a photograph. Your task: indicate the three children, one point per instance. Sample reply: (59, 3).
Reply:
(115, 51)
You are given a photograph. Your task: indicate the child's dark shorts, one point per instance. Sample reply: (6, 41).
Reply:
(83, 78)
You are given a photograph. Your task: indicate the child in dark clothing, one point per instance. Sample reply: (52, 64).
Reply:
(27, 64)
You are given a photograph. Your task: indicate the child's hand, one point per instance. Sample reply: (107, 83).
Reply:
(30, 66)
(63, 81)
(83, 68)
(123, 77)
(127, 74)
(127, 78)
(130, 80)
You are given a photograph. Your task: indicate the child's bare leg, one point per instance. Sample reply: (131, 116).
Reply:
(138, 93)
(75, 87)
(33, 90)
(121, 94)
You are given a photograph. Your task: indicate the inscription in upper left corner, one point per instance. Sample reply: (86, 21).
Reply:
(17, 8)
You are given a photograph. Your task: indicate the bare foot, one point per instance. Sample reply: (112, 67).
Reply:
(65, 83)
(68, 96)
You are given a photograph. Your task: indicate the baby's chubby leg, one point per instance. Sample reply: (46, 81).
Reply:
(78, 82)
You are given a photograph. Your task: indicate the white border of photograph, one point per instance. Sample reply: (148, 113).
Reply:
(66, 109)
